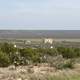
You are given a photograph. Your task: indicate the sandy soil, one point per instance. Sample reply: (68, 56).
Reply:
(26, 72)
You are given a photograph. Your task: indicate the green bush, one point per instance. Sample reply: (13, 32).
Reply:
(30, 54)
(68, 64)
(54, 56)
(69, 52)
(46, 51)
(65, 64)
(15, 57)
(4, 60)
(8, 48)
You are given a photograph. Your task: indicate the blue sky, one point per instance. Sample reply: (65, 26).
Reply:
(40, 14)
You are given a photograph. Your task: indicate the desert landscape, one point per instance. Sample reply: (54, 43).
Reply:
(39, 39)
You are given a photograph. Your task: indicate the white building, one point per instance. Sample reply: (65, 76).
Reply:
(28, 42)
(48, 41)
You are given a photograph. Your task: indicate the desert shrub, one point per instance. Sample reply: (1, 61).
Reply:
(15, 58)
(56, 61)
(4, 60)
(30, 54)
(48, 51)
(8, 48)
(59, 62)
(65, 64)
(55, 56)
(68, 52)
(52, 52)
(68, 64)
(45, 53)
(77, 52)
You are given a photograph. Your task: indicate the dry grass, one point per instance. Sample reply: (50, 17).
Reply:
(43, 72)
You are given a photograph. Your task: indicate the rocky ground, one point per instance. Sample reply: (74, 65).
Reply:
(40, 72)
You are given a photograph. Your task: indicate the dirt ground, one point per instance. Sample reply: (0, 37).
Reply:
(27, 72)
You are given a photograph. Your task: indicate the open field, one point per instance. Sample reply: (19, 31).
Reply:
(36, 37)
(39, 42)
(20, 34)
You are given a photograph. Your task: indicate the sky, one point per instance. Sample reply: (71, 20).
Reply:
(40, 14)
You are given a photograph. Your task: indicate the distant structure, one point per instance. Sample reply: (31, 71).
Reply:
(48, 40)
(27, 42)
